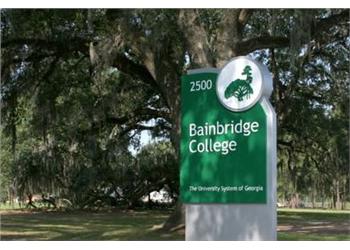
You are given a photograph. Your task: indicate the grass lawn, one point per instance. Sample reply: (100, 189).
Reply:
(142, 225)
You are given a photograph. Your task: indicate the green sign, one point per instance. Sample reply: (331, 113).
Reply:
(223, 135)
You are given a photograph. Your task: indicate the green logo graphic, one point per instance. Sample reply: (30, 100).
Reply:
(241, 88)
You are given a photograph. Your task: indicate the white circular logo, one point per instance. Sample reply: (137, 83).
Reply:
(240, 84)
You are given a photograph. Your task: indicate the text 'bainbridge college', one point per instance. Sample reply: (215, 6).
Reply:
(245, 128)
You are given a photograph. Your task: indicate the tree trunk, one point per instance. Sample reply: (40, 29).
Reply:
(9, 196)
(177, 219)
(202, 55)
(343, 204)
(313, 197)
(338, 200)
(294, 203)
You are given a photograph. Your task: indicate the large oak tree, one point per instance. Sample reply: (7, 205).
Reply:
(307, 52)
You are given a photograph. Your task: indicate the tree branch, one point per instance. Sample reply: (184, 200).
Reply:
(140, 127)
(129, 67)
(326, 23)
(140, 114)
(262, 42)
(74, 44)
(28, 41)
(265, 42)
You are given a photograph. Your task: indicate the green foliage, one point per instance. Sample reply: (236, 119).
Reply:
(6, 161)
(159, 168)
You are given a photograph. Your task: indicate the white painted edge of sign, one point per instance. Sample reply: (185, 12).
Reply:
(203, 70)
(271, 159)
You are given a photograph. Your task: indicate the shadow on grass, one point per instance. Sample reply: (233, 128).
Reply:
(117, 225)
(307, 224)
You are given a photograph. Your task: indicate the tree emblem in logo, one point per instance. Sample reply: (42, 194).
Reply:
(240, 88)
